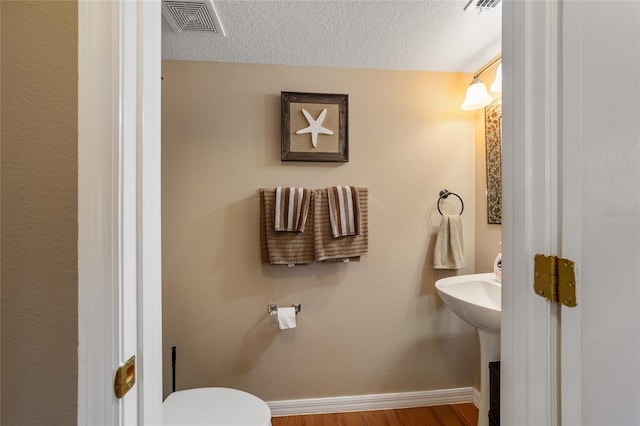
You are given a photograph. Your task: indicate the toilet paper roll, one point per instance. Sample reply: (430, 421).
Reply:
(286, 318)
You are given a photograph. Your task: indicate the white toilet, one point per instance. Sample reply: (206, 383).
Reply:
(215, 407)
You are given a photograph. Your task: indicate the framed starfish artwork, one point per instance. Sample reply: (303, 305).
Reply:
(314, 127)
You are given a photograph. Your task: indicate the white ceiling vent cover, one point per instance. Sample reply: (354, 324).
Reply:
(192, 15)
(482, 4)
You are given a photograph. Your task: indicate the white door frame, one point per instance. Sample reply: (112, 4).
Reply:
(532, 103)
(119, 253)
(571, 360)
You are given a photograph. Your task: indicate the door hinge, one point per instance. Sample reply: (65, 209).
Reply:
(555, 279)
(125, 377)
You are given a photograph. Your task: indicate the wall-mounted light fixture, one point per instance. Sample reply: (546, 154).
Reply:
(477, 95)
(496, 87)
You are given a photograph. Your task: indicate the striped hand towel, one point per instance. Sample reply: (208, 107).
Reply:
(292, 209)
(282, 248)
(330, 249)
(344, 211)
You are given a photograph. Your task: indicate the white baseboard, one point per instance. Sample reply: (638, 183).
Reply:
(386, 401)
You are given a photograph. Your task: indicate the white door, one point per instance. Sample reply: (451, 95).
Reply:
(600, 380)
(119, 287)
(571, 151)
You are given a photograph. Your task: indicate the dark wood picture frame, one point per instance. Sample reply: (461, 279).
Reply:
(334, 109)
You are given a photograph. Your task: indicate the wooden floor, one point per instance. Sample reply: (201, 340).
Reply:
(441, 415)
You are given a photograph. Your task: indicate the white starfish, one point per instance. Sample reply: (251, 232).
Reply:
(315, 126)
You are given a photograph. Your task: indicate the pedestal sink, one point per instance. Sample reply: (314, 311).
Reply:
(476, 300)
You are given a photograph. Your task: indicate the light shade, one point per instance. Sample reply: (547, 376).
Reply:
(477, 96)
(496, 87)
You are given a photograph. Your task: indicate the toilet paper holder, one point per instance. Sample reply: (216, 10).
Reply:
(272, 309)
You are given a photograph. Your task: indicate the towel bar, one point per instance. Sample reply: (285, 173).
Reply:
(272, 309)
(444, 194)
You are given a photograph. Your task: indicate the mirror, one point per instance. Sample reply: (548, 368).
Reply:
(493, 144)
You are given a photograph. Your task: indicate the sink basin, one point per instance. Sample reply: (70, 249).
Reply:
(474, 298)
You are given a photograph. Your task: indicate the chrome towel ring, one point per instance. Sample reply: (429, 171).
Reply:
(444, 194)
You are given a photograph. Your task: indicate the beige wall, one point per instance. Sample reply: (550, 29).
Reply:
(488, 236)
(39, 212)
(370, 327)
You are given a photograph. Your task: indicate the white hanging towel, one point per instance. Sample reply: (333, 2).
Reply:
(449, 250)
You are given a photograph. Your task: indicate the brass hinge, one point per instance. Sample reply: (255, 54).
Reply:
(554, 279)
(125, 377)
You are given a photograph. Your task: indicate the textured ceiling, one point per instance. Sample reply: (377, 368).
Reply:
(425, 35)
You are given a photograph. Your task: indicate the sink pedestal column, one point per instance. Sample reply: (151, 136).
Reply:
(489, 352)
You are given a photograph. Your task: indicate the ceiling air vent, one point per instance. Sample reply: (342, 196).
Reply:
(482, 4)
(196, 15)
